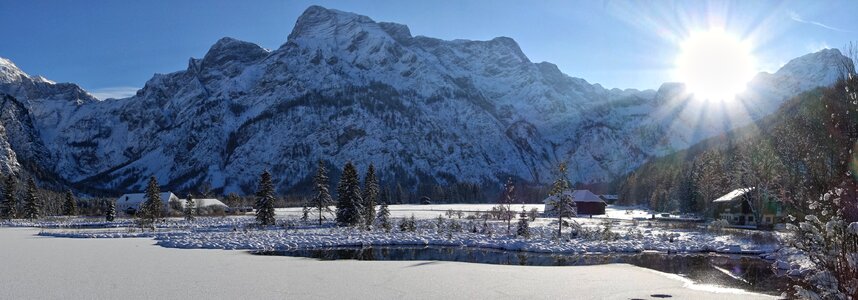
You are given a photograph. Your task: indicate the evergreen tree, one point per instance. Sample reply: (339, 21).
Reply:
(32, 203)
(152, 208)
(322, 201)
(9, 206)
(439, 224)
(408, 224)
(265, 200)
(562, 203)
(349, 208)
(111, 211)
(370, 195)
(190, 208)
(384, 217)
(70, 204)
(523, 224)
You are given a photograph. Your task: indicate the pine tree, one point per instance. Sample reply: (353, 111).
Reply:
(349, 201)
(523, 224)
(384, 217)
(563, 204)
(190, 208)
(32, 203)
(322, 201)
(265, 200)
(370, 195)
(9, 206)
(70, 204)
(152, 208)
(408, 224)
(111, 211)
(439, 224)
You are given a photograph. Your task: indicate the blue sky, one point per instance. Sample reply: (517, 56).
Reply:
(113, 47)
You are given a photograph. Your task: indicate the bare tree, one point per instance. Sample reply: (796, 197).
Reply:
(710, 179)
(505, 203)
(761, 169)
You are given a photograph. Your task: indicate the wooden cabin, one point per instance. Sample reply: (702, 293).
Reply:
(737, 207)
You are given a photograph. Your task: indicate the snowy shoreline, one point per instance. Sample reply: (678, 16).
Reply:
(303, 238)
(228, 274)
(616, 232)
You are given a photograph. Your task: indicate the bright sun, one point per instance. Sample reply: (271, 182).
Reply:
(715, 65)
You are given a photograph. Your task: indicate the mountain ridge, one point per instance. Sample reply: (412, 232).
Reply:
(344, 87)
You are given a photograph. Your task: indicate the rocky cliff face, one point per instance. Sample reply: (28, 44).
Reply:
(346, 88)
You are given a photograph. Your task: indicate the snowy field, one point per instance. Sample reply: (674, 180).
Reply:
(38, 267)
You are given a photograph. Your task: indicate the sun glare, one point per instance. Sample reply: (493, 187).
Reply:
(715, 65)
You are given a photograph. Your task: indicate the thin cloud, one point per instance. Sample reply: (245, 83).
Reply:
(114, 92)
(796, 17)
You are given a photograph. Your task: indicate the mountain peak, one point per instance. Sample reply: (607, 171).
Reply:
(319, 20)
(227, 50)
(9, 72)
(825, 65)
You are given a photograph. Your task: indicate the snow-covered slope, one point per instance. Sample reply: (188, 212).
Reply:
(346, 88)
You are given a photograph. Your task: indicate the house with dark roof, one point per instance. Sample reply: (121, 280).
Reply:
(586, 202)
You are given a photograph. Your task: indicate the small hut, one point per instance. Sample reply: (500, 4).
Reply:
(586, 203)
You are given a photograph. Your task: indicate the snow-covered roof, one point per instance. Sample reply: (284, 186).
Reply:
(578, 196)
(733, 195)
(610, 197)
(206, 203)
(134, 200)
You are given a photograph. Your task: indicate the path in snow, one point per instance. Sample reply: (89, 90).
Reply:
(36, 267)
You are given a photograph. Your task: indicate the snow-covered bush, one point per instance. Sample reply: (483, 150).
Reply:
(607, 231)
(408, 224)
(633, 233)
(532, 214)
(830, 247)
(667, 237)
(455, 226)
(717, 226)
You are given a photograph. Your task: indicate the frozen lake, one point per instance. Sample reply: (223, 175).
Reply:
(37, 267)
(734, 271)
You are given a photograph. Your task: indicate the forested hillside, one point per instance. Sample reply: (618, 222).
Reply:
(796, 154)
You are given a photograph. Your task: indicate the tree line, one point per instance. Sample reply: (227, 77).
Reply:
(355, 205)
(25, 200)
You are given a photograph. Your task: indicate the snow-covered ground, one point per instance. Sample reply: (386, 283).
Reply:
(597, 235)
(38, 267)
(433, 210)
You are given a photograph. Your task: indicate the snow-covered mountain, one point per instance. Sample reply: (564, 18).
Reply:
(346, 88)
